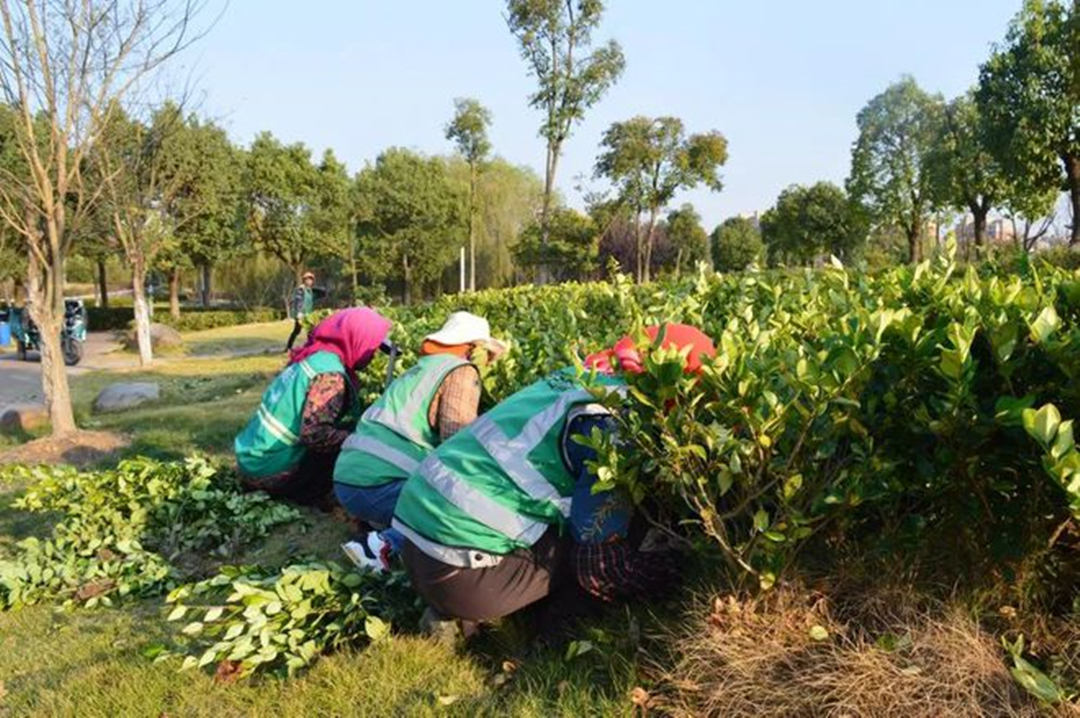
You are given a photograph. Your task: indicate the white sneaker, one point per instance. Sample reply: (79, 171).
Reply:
(373, 553)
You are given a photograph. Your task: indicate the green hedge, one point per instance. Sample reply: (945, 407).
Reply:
(119, 318)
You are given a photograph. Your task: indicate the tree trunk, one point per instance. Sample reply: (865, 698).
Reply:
(206, 285)
(45, 285)
(406, 289)
(472, 234)
(142, 312)
(545, 209)
(103, 286)
(352, 269)
(649, 243)
(639, 250)
(979, 221)
(174, 293)
(678, 263)
(1072, 173)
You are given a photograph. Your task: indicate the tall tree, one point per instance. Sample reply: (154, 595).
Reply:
(689, 238)
(1029, 92)
(890, 161)
(736, 244)
(210, 199)
(283, 188)
(964, 174)
(555, 37)
(147, 173)
(810, 221)
(408, 209)
(468, 131)
(649, 160)
(64, 67)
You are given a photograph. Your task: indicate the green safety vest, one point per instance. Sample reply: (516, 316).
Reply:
(394, 434)
(499, 483)
(270, 443)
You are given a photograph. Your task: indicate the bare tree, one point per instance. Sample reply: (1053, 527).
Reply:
(65, 66)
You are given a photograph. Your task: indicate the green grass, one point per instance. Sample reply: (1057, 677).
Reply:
(247, 339)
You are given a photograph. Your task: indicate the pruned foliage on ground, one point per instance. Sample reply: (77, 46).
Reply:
(120, 530)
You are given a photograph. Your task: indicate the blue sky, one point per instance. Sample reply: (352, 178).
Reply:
(782, 80)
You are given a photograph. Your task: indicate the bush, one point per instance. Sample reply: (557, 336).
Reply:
(194, 319)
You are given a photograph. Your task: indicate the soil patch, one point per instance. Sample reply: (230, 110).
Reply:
(80, 448)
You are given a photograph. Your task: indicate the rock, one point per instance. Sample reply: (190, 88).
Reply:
(21, 419)
(126, 395)
(161, 337)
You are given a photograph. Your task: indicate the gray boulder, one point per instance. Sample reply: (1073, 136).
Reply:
(126, 395)
(162, 336)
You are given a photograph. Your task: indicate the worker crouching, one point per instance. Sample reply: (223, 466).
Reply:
(485, 515)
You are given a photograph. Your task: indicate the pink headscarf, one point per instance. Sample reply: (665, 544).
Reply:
(353, 334)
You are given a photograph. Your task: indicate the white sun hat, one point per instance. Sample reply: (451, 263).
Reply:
(466, 328)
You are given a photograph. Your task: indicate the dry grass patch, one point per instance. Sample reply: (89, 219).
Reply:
(799, 653)
(78, 448)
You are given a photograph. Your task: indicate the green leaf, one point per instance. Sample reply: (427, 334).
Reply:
(1035, 681)
(177, 613)
(375, 628)
(193, 629)
(1045, 325)
(761, 519)
(1042, 424)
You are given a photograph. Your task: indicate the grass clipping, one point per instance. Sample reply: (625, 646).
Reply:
(796, 654)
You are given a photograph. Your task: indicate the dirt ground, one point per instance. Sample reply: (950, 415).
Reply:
(80, 448)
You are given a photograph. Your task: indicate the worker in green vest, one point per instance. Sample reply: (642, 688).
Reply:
(289, 446)
(425, 406)
(485, 515)
(301, 305)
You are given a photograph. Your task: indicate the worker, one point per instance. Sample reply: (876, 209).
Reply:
(301, 305)
(422, 408)
(484, 515)
(289, 446)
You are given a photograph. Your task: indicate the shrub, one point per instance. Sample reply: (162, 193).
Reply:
(193, 319)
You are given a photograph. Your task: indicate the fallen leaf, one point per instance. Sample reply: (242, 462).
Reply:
(639, 696)
(227, 672)
(94, 588)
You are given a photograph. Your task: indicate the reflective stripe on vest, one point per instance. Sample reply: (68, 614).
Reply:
(479, 505)
(402, 420)
(486, 476)
(512, 454)
(376, 448)
(460, 557)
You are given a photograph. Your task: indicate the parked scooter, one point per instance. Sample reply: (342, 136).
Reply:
(72, 334)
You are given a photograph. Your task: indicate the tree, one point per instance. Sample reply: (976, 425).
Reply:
(689, 238)
(295, 210)
(210, 201)
(810, 221)
(571, 250)
(64, 67)
(964, 175)
(508, 199)
(468, 131)
(407, 209)
(1029, 92)
(890, 173)
(736, 244)
(554, 37)
(147, 173)
(649, 160)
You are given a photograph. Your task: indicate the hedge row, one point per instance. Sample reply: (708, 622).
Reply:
(119, 318)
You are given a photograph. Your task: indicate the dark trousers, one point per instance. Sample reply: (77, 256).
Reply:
(310, 484)
(477, 594)
(297, 327)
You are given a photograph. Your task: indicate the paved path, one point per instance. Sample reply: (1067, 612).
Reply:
(20, 381)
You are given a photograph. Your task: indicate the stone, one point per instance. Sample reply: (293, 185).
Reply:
(22, 419)
(162, 336)
(126, 395)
